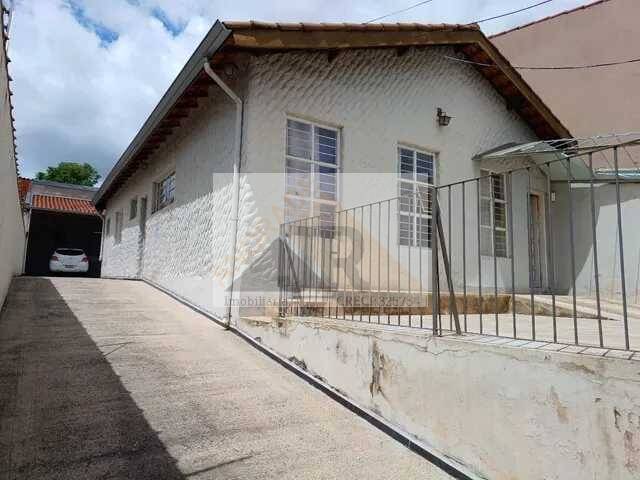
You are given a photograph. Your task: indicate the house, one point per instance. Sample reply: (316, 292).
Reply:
(11, 223)
(59, 215)
(274, 122)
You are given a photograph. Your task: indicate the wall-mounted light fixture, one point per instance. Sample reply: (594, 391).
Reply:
(443, 118)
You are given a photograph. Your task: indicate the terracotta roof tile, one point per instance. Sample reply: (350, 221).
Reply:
(347, 27)
(63, 204)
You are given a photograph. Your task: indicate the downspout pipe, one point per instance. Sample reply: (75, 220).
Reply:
(235, 202)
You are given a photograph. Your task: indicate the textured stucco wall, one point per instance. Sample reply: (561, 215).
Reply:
(186, 244)
(12, 232)
(606, 239)
(503, 412)
(376, 99)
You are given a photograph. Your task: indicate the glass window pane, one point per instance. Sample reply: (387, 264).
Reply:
(485, 212)
(326, 145)
(299, 139)
(298, 177)
(326, 178)
(498, 187)
(424, 168)
(406, 197)
(500, 237)
(499, 215)
(406, 163)
(406, 230)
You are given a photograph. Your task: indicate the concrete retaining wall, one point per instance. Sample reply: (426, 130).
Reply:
(505, 413)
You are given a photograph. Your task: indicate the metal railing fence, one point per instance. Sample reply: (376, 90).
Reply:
(506, 254)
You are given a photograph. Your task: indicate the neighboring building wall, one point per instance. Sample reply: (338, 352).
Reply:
(588, 101)
(12, 237)
(185, 248)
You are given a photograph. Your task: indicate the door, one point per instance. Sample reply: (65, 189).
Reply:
(535, 240)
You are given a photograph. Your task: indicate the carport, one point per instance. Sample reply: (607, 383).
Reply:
(56, 222)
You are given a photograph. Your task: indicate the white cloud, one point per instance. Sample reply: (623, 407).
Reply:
(80, 97)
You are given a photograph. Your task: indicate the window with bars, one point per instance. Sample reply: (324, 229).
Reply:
(493, 214)
(133, 208)
(311, 167)
(416, 174)
(164, 192)
(118, 229)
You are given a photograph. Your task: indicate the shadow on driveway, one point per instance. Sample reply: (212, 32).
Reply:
(64, 413)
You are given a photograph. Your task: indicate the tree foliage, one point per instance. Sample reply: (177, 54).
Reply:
(70, 172)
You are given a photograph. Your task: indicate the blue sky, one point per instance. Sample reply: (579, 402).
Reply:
(86, 73)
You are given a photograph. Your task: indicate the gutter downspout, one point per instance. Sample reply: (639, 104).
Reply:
(235, 205)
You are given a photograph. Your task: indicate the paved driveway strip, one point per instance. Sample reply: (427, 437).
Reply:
(114, 379)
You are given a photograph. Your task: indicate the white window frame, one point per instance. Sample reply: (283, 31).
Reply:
(315, 164)
(489, 250)
(418, 213)
(157, 205)
(117, 234)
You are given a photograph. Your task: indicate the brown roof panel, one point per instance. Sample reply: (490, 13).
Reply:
(63, 204)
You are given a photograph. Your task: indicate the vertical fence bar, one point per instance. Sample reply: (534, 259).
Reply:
(370, 253)
(414, 220)
(495, 260)
(594, 239)
(623, 283)
(346, 265)
(361, 257)
(338, 235)
(552, 264)
(480, 302)
(573, 256)
(449, 252)
(435, 294)
(353, 263)
(512, 255)
(388, 311)
(464, 254)
(298, 254)
(398, 260)
(280, 270)
(379, 248)
(422, 213)
(529, 241)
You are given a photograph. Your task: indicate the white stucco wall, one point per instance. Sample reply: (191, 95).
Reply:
(12, 231)
(375, 98)
(378, 100)
(186, 244)
(503, 412)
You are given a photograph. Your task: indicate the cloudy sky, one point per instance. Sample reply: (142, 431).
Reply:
(86, 73)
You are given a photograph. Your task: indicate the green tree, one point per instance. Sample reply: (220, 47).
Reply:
(70, 172)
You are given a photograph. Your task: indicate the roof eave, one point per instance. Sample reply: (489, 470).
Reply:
(209, 45)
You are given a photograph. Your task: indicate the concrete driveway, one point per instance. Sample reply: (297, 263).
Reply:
(113, 379)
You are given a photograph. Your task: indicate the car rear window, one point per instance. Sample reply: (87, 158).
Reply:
(70, 251)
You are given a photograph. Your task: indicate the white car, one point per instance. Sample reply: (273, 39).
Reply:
(70, 260)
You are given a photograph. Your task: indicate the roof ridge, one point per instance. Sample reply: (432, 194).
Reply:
(550, 17)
